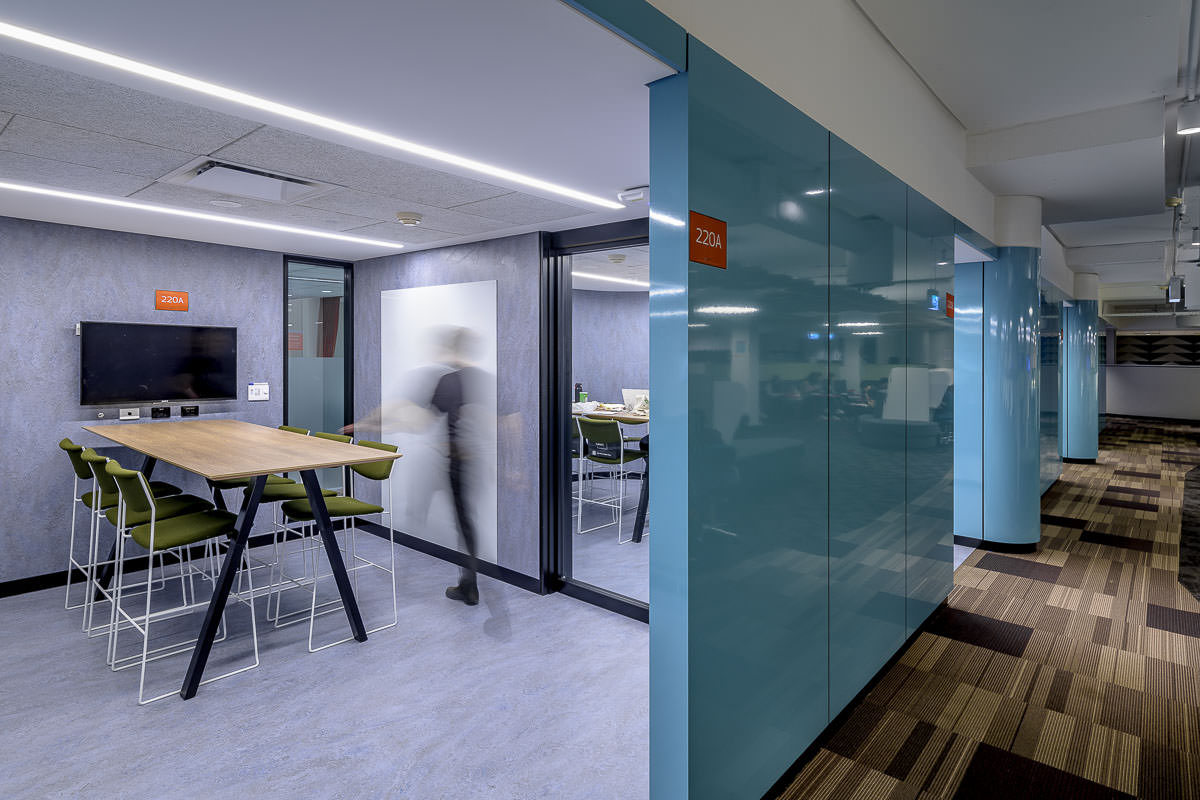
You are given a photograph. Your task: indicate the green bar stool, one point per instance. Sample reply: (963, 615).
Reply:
(350, 508)
(102, 498)
(94, 502)
(160, 526)
(604, 444)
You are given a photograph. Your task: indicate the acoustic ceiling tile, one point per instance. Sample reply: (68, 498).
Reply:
(55, 95)
(21, 168)
(35, 137)
(519, 208)
(384, 209)
(170, 194)
(303, 156)
(394, 231)
(4, 118)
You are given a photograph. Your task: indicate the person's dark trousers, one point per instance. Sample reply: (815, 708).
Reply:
(465, 529)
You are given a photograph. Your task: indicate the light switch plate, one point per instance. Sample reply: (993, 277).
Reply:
(259, 391)
(131, 413)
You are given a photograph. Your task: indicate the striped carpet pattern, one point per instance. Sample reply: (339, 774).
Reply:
(1072, 672)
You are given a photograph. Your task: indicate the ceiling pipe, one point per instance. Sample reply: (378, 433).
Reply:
(1190, 79)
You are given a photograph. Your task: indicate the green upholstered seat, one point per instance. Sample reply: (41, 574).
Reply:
(186, 529)
(74, 451)
(107, 500)
(301, 510)
(164, 508)
(376, 470)
(334, 437)
(242, 483)
(604, 443)
(294, 429)
(274, 492)
(108, 485)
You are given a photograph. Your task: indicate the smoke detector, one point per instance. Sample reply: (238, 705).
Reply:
(409, 218)
(634, 194)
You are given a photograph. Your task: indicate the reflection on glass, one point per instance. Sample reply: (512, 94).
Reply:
(1049, 380)
(610, 376)
(316, 369)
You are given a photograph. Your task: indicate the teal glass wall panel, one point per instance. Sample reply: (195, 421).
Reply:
(929, 382)
(669, 387)
(1081, 380)
(867, 420)
(1011, 496)
(757, 453)
(968, 400)
(1050, 378)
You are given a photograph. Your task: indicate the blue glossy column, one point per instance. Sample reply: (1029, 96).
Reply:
(1081, 373)
(1011, 419)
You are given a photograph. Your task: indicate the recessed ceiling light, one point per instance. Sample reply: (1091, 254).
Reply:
(666, 219)
(866, 333)
(730, 310)
(290, 112)
(225, 203)
(610, 279)
(182, 212)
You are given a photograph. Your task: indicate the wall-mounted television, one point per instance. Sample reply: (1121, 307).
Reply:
(123, 362)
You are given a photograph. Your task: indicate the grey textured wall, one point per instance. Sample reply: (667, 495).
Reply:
(52, 276)
(610, 343)
(514, 264)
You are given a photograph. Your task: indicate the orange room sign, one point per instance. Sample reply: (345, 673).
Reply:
(707, 241)
(167, 300)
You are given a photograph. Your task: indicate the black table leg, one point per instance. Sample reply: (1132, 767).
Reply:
(148, 466)
(325, 528)
(218, 497)
(216, 607)
(639, 523)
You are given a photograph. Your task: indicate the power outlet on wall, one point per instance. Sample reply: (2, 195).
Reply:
(189, 411)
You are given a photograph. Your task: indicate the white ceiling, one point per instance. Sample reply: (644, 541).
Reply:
(1070, 101)
(528, 85)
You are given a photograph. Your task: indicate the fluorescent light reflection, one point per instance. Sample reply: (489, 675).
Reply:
(866, 333)
(666, 219)
(857, 324)
(610, 279)
(697, 324)
(727, 310)
(300, 115)
(667, 292)
(814, 192)
(181, 212)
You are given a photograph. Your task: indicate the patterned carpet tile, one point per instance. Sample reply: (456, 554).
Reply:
(1071, 672)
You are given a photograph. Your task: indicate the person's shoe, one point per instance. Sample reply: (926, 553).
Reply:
(464, 594)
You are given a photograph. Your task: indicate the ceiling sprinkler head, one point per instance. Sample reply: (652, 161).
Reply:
(409, 218)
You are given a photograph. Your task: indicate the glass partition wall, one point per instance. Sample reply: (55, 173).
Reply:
(317, 340)
(601, 339)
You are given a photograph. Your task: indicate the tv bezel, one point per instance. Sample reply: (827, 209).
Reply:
(163, 401)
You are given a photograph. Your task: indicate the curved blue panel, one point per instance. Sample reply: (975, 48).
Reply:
(1050, 377)
(1081, 384)
(1011, 447)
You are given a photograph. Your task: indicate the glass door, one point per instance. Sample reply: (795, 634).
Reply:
(600, 334)
(318, 347)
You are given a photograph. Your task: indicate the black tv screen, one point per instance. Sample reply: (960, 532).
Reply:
(121, 362)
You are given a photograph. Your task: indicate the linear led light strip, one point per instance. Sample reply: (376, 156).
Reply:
(180, 212)
(262, 104)
(610, 279)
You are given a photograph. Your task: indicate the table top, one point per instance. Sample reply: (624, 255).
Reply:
(624, 417)
(220, 449)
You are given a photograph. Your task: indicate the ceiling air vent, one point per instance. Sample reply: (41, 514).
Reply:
(232, 179)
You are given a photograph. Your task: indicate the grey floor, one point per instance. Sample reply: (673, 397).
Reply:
(598, 559)
(520, 697)
(960, 554)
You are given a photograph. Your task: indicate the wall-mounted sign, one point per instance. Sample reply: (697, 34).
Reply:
(168, 300)
(295, 341)
(706, 239)
(949, 305)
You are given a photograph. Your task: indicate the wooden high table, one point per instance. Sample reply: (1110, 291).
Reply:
(221, 449)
